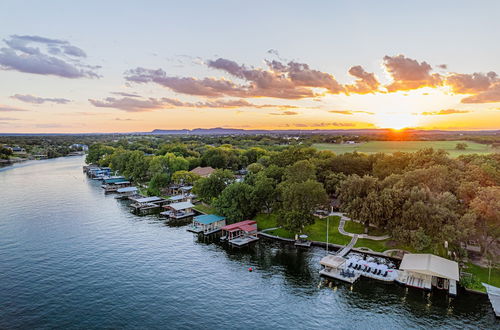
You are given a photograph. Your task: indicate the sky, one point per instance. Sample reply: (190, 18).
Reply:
(134, 66)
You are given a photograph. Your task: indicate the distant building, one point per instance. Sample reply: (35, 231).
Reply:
(18, 150)
(78, 146)
(204, 172)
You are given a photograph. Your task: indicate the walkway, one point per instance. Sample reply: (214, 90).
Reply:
(348, 247)
(344, 218)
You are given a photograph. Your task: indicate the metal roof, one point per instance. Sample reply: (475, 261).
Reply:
(149, 199)
(127, 189)
(181, 206)
(430, 264)
(207, 219)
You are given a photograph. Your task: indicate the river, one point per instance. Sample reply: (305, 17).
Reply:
(72, 257)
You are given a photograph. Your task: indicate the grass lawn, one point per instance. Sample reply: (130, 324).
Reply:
(316, 231)
(354, 227)
(481, 275)
(377, 246)
(204, 209)
(406, 146)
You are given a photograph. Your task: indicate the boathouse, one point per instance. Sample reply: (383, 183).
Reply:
(126, 192)
(178, 210)
(426, 270)
(240, 233)
(207, 224)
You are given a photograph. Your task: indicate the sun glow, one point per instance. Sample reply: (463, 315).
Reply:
(395, 121)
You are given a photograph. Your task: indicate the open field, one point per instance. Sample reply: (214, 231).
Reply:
(372, 147)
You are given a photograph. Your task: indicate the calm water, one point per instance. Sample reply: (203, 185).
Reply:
(71, 257)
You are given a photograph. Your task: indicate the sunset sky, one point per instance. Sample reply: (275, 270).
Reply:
(123, 66)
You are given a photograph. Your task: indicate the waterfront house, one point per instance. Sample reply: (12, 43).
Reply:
(207, 224)
(178, 210)
(240, 233)
(425, 271)
(204, 172)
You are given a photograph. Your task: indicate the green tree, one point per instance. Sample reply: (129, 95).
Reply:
(97, 152)
(185, 177)
(237, 202)
(265, 191)
(211, 187)
(300, 171)
(157, 183)
(304, 197)
(461, 146)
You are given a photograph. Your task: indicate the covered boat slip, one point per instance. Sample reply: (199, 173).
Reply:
(207, 224)
(178, 210)
(113, 187)
(349, 270)
(125, 193)
(145, 205)
(335, 267)
(240, 233)
(425, 271)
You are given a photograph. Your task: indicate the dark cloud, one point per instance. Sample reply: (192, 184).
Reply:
(126, 94)
(40, 55)
(150, 104)
(129, 104)
(9, 108)
(39, 100)
(350, 112)
(209, 87)
(442, 66)
(444, 112)
(408, 74)
(366, 82)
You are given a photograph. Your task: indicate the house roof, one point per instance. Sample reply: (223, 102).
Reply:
(207, 219)
(126, 189)
(180, 206)
(203, 171)
(237, 225)
(430, 264)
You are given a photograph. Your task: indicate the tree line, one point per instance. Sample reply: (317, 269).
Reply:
(421, 199)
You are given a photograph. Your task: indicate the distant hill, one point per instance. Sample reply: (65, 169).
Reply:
(237, 131)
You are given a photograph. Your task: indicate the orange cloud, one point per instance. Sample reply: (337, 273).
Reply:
(444, 112)
(350, 112)
(284, 113)
(490, 95)
(461, 83)
(366, 82)
(408, 74)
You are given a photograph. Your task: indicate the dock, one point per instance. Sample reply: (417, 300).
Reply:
(494, 296)
(345, 250)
